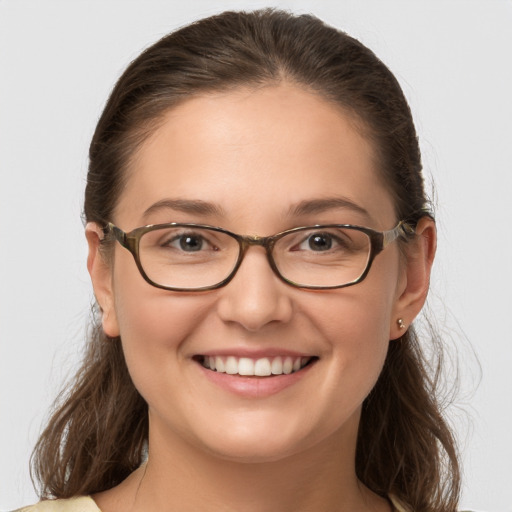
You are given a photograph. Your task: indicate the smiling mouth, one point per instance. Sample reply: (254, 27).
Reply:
(261, 367)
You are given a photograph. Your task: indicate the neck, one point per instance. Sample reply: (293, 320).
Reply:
(179, 476)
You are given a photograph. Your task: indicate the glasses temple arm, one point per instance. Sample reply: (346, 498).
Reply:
(403, 229)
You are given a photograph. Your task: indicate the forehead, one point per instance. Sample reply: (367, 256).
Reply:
(254, 151)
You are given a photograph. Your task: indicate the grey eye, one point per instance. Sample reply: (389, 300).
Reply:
(190, 243)
(320, 242)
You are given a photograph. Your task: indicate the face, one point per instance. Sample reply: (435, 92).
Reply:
(254, 156)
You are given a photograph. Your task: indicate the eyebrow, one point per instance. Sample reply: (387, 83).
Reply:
(309, 207)
(195, 206)
(306, 207)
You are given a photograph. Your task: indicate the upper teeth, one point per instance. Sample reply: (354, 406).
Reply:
(255, 367)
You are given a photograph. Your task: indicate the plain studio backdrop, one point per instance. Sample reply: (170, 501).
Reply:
(58, 62)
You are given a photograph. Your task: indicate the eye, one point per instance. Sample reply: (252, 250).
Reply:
(318, 242)
(189, 242)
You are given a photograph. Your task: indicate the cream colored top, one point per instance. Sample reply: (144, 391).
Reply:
(87, 504)
(80, 504)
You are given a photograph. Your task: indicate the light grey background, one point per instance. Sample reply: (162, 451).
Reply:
(58, 62)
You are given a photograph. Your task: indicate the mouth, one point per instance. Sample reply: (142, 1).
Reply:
(252, 367)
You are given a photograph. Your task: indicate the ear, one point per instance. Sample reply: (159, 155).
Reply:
(413, 287)
(100, 271)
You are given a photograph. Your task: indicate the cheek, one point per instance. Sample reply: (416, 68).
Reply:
(357, 316)
(358, 333)
(154, 325)
(356, 321)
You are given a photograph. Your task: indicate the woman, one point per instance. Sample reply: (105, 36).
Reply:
(259, 246)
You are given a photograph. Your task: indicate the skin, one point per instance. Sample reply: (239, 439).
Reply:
(255, 154)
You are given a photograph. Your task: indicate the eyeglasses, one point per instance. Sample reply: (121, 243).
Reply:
(195, 257)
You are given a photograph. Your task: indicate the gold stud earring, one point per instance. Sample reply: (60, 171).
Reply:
(401, 324)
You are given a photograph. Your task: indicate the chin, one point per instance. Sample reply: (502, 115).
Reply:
(267, 439)
(254, 452)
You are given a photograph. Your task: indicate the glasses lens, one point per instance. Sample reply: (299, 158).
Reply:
(187, 257)
(323, 256)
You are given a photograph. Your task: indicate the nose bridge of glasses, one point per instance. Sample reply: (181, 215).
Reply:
(263, 241)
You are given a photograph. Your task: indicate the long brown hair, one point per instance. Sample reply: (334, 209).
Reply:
(98, 432)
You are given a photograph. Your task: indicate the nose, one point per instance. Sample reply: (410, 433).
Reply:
(255, 297)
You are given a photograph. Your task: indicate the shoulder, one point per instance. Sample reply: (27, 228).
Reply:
(80, 504)
(398, 506)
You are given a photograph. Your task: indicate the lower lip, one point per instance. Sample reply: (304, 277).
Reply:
(255, 387)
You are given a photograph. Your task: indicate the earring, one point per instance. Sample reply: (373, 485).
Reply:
(401, 324)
